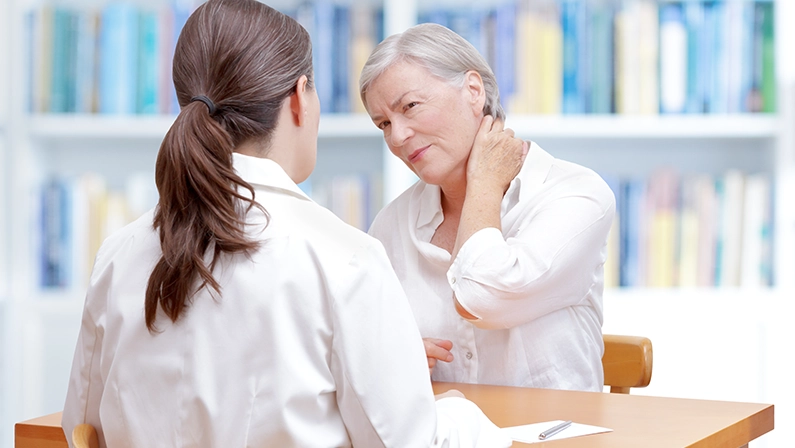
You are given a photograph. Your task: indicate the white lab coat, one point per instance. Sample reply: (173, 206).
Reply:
(311, 343)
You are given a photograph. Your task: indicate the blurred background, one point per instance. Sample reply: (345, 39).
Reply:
(684, 107)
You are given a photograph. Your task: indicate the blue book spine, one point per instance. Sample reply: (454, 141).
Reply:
(378, 24)
(61, 53)
(720, 191)
(476, 16)
(634, 191)
(585, 74)
(148, 63)
(71, 61)
(747, 99)
(32, 52)
(571, 27)
(323, 52)
(719, 84)
(342, 62)
(601, 59)
(118, 59)
(56, 234)
(505, 36)
(85, 60)
(694, 23)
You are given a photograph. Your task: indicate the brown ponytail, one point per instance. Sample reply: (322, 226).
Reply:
(243, 59)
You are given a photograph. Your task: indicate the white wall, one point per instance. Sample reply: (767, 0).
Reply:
(723, 345)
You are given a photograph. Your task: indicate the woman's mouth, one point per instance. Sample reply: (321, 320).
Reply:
(416, 155)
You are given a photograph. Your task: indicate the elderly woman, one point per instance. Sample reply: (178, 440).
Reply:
(499, 246)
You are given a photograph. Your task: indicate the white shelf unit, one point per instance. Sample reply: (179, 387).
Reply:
(6, 361)
(692, 330)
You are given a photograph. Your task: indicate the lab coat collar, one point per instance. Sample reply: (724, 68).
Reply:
(266, 173)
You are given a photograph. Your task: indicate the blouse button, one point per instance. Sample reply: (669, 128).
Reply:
(469, 355)
(452, 280)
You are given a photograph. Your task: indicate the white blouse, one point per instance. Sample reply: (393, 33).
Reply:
(536, 286)
(311, 343)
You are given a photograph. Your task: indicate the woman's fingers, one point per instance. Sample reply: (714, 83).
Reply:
(497, 125)
(437, 349)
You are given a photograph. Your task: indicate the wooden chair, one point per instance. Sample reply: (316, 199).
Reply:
(85, 436)
(627, 362)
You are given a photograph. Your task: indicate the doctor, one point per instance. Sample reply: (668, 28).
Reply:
(238, 312)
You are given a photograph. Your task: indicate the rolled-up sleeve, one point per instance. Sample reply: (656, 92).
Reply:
(550, 263)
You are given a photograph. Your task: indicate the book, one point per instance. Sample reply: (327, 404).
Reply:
(504, 63)
(766, 58)
(688, 241)
(600, 58)
(362, 44)
(525, 60)
(118, 47)
(627, 59)
(573, 27)
(673, 59)
(648, 56)
(662, 235)
(756, 231)
(148, 63)
(728, 257)
(341, 60)
(85, 60)
(550, 63)
(697, 60)
(717, 14)
(63, 48)
(631, 209)
(323, 53)
(55, 231)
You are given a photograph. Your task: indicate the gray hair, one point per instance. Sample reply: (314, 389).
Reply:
(442, 52)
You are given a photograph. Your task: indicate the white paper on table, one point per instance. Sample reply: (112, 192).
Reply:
(529, 433)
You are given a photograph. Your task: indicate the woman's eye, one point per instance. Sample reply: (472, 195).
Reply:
(382, 125)
(411, 104)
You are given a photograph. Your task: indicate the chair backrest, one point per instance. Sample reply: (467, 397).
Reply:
(627, 362)
(85, 436)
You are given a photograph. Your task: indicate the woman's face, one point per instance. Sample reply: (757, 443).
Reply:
(427, 123)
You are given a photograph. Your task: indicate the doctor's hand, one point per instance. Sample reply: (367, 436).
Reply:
(437, 349)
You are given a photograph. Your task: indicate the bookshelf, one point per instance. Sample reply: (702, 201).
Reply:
(34, 146)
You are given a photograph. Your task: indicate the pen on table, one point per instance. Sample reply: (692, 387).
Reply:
(554, 430)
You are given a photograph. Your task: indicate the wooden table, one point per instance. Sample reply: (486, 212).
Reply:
(635, 420)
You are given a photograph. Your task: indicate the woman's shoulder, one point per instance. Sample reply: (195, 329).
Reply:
(570, 177)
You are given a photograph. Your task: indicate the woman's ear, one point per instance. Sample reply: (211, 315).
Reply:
(476, 91)
(299, 102)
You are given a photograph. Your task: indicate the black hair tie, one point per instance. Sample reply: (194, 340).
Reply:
(206, 101)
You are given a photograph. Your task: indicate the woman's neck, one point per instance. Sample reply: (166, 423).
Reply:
(452, 198)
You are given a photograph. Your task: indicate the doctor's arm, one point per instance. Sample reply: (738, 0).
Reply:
(378, 359)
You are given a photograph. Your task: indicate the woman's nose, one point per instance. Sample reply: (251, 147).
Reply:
(400, 132)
